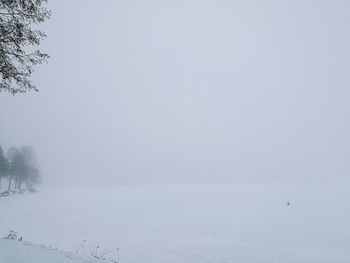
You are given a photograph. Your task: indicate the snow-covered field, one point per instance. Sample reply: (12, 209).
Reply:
(223, 223)
(22, 252)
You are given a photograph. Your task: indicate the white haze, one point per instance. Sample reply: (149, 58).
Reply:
(189, 91)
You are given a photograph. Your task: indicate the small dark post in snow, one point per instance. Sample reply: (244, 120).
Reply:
(97, 254)
(82, 244)
(117, 255)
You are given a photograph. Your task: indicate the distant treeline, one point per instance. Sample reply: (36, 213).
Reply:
(20, 167)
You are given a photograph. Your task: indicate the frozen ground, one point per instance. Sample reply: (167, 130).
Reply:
(189, 223)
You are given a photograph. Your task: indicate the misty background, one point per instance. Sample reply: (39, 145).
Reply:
(188, 91)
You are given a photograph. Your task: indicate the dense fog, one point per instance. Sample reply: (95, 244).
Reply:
(175, 131)
(156, 92)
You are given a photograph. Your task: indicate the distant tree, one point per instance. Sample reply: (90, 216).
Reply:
(14, 162)
(3, 165)
(12, 155)
(33, 177)
(23, 167)
(18, 19)
(29, 167)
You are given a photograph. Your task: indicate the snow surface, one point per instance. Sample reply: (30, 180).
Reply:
(21, 252)
(188, 223)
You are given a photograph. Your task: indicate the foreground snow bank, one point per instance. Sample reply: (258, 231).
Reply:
(21, 252)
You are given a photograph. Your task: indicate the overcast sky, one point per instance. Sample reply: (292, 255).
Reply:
(189, 91)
